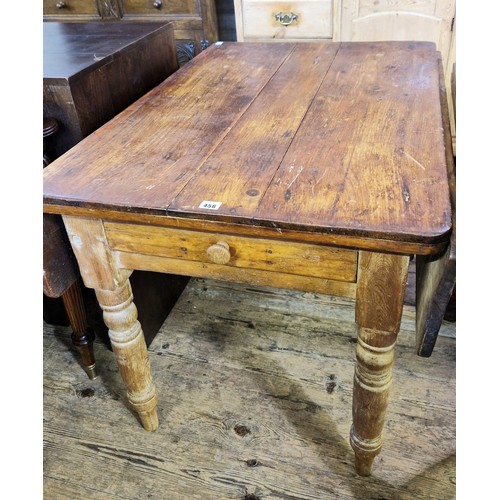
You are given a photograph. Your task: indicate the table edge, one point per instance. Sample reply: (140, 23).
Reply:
(354, 239)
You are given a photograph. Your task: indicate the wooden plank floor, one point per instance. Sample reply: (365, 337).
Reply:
(255, 388)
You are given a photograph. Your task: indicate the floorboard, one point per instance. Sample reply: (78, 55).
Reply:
(255, 388)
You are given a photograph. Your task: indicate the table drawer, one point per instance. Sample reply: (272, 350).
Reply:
(302, 19)
(66, 7)
(237, 251)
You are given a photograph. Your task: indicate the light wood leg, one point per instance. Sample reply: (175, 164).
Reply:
(100, 271)
(129, 346)
(379, 305)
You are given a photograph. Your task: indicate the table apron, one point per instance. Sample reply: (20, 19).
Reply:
(282, 264)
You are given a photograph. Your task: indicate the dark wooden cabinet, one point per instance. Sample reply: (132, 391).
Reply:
(92, 71)
(194, 21)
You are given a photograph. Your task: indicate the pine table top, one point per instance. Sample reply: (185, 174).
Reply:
(332, 138)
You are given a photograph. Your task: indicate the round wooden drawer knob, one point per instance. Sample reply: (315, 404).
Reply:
(219, 253)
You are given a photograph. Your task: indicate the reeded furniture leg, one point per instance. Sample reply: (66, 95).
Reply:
(129, 346)
(379, 305)
(82, 337)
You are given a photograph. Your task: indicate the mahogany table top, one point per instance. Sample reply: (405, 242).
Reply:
(333, 138)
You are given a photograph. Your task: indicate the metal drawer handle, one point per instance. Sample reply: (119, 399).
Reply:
(286, 19)
(61, 5)
(157, 4)
(219, 253)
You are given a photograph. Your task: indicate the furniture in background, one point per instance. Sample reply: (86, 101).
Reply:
(312, 166)
(61, 278)
(351, 20)
(450, 314)
(436, 275)
(50, 127)
(194, 21)
(225, 20)
(92, 72)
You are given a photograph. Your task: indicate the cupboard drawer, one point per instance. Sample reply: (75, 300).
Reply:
(234, 251)
(165, 7)
(306, 19)
(70, 7)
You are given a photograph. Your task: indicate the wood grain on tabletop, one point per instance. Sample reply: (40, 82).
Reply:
(178, 129)
(366, 158)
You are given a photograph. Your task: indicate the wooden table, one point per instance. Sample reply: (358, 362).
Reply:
(311, 166)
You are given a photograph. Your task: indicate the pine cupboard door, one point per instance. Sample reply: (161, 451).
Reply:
(419, 20)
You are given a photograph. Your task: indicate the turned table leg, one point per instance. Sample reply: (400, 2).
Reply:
(82, 336)
(379, 305)
(129, 346)
(100, 271)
